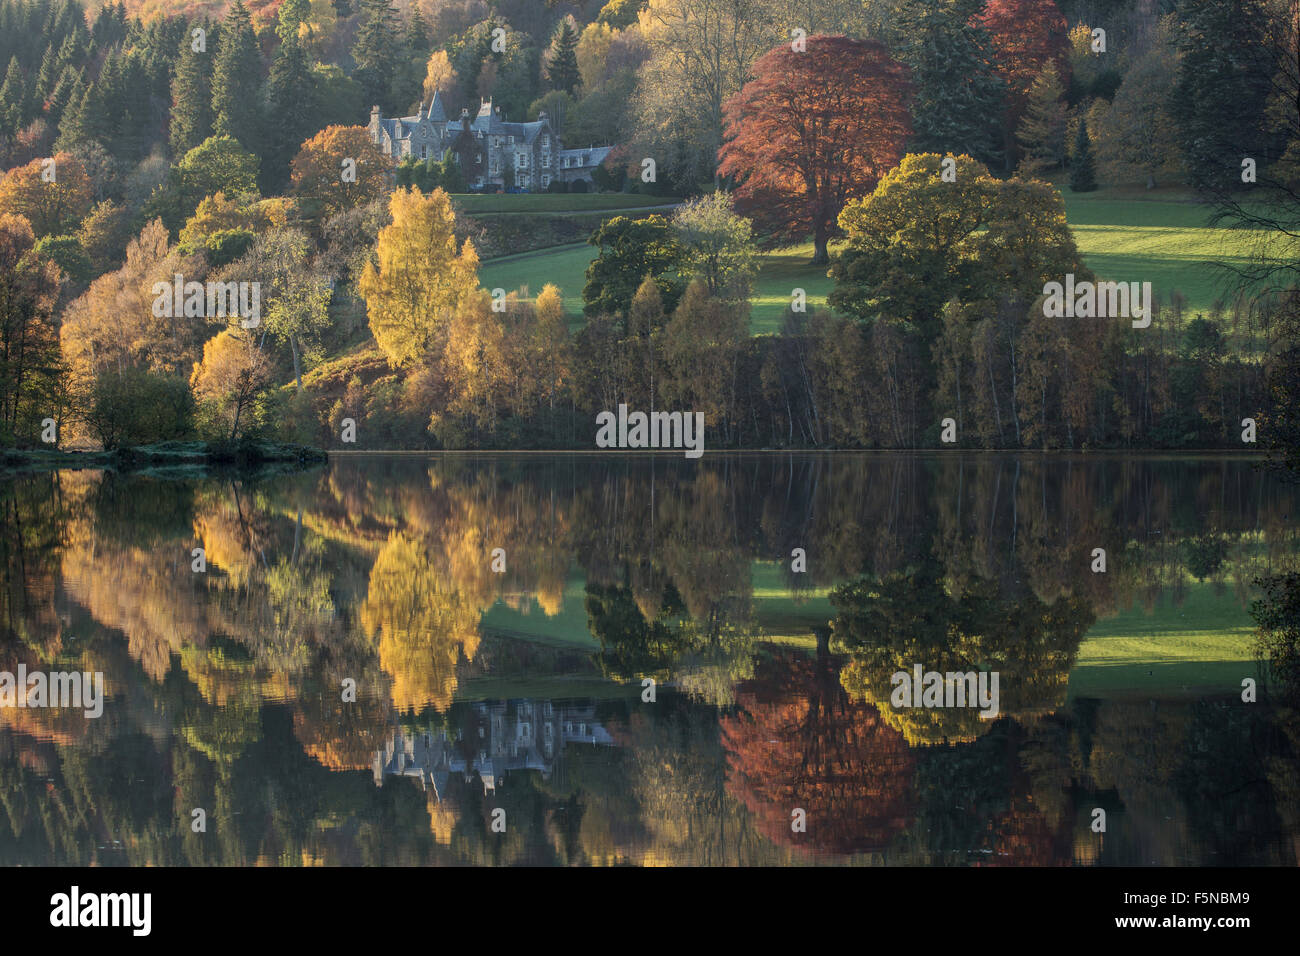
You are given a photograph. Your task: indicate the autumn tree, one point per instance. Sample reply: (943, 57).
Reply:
(30, 373)
(295, 295)
(1135, 135)
(440, 77)
(218, 164)
(231, 379)
(700, 53)
(703, 343)
(419, 280)
(53, 195)
(340, 168)
(812, 131)
(1026, 35)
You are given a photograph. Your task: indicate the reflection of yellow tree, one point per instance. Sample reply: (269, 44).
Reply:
(422, 624)
(909, 619)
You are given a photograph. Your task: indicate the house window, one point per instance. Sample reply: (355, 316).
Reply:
(521, 160)
(546, 160)
(424, 152)
(546, 180)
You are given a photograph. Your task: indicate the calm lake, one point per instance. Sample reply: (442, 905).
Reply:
(630, 659)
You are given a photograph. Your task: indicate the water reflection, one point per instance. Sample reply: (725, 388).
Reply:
(345, 674)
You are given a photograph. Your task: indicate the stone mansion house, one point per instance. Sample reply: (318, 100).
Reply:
(490, 151)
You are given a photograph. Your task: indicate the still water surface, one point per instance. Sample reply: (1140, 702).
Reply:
(359, 676)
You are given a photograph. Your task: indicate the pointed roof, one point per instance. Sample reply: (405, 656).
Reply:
(437, 110)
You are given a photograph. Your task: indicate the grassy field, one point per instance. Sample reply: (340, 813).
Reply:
(1204, 646)
(1160, 237)
(1164, 240)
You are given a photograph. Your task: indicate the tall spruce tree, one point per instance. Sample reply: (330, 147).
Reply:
(562, 69)
(378, 52)
(236, 76)
(1083, 172)
(290, 91)
(958, 99)
(15, 100)
(191, 113)
(1224, 82)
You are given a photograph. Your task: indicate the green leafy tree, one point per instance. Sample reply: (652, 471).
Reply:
(718, 246)
(631, 249)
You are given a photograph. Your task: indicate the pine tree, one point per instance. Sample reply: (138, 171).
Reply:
(417, 33)
(61, 95)
(289, 90)
(1083, 175)
(958, 95)
(377, 52)
(48, 75)
(1224, 84)
(562, 69)
(13, 98)
(74, 123)
(235, 80)
(191, 113)
(1042, 130)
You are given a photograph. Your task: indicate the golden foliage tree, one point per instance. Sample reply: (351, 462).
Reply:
(420, 281)
(53, 195)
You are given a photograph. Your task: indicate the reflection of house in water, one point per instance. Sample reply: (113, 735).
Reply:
(498, 738)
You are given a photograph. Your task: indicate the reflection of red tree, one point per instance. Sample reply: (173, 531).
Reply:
(798, 740)
(1022, 836)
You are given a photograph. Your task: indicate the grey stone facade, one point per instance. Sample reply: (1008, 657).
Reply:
(490, 150)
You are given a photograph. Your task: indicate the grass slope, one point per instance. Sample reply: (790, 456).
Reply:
(1162, 238)
(1202, 646)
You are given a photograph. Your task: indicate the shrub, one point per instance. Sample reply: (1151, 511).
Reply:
(138, 407)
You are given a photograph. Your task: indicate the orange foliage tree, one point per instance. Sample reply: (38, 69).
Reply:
(340, 168)
(799, 741)
(812, 130)
(53, 195)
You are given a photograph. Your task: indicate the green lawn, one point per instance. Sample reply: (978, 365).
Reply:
(1161, 238)
(1165, 241)
(1202, 646)
(532, 203)
(566, 266)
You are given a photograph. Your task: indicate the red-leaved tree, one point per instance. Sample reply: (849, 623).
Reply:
(813, 129)
(1025, 34)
